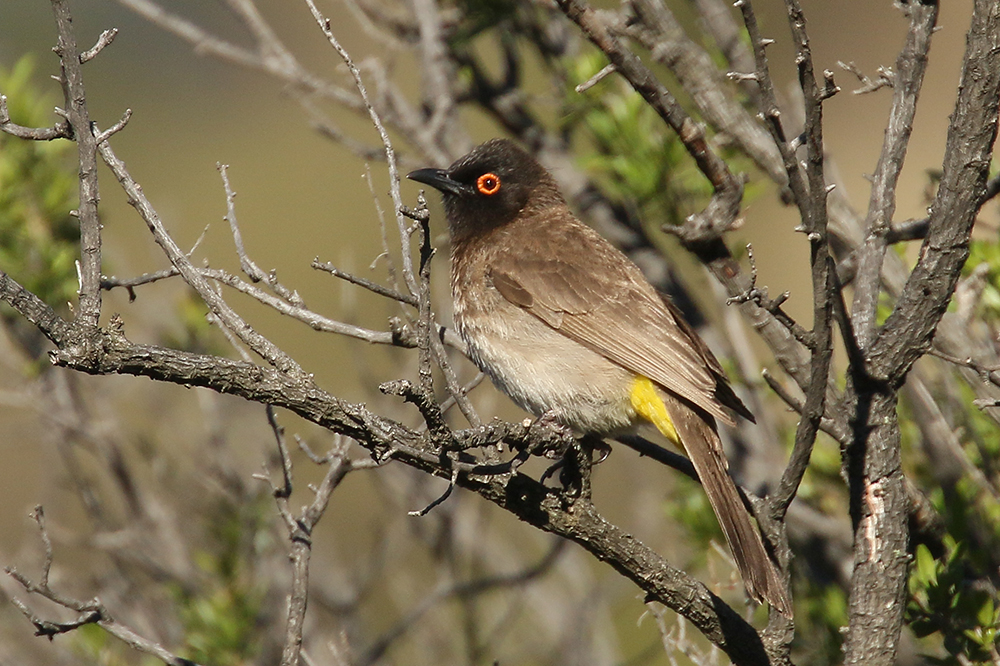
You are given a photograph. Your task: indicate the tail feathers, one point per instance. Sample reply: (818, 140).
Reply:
(700, 440)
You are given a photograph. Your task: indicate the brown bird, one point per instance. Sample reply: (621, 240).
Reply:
(568, 327)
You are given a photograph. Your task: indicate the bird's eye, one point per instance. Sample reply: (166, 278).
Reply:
(488, 184)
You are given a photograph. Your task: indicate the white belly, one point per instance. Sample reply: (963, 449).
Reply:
(542, 370)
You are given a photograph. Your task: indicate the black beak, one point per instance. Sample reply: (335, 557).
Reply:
(438, 179)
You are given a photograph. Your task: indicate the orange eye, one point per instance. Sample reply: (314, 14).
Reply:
(488, 183)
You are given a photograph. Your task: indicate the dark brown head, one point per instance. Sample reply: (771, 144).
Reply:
(490, 186)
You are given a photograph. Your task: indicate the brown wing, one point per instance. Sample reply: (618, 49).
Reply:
(578, 283)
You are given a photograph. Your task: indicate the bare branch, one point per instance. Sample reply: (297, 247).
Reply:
(89, 612)
(910, 67)
(390, 154)
(886, 78)
(247, 265)
(258, 343)
(62, 129)
(75, 96)
(117, 127)
(106, 38)
(326, 266)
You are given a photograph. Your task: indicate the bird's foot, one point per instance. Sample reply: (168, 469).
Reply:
(554, 437)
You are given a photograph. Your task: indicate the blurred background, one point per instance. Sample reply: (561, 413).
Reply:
(301, 196)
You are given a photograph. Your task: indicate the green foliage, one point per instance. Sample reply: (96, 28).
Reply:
(986, 253)
(196, 333)
(221, 623)
(689, 506)
(38, 238)
(820, 615)
(966, 618)
(637, 160)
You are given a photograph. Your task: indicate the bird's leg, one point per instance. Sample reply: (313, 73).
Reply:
(575, 472)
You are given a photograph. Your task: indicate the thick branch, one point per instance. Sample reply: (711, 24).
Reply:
(873, 464)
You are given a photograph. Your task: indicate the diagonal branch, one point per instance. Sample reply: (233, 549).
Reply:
(390, 154)
(527, 499)
(257, 342)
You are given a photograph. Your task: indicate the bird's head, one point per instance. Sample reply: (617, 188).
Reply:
(490, 186)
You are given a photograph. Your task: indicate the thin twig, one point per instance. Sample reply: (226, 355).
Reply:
(300, 530)
(390, 262)
(227, 316)
(759, 296)
(62, 129)
(390, 153)
(247, 265)
(106, 38)
(373, 287)
(886, 78)
(88, 612)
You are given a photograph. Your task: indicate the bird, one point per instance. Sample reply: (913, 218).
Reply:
(571, 330)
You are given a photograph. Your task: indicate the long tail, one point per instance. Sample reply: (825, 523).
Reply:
(696, 432)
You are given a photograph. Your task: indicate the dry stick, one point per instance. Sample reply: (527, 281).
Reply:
(886, 77)
(811, 201)
(373, 287)
(247, 265)
(89, 612)
(390, 263)
(313, 319)
(61, 130)
(390, 154)
(106, 38)
(270, 57)
(71, 79)
(436, 423)
(226, 315)
(456, 391)
(300, 530)
(910, 66)
(760, 296)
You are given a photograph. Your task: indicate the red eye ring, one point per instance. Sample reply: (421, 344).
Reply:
(488, 184)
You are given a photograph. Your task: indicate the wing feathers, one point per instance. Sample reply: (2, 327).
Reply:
(578, 283)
